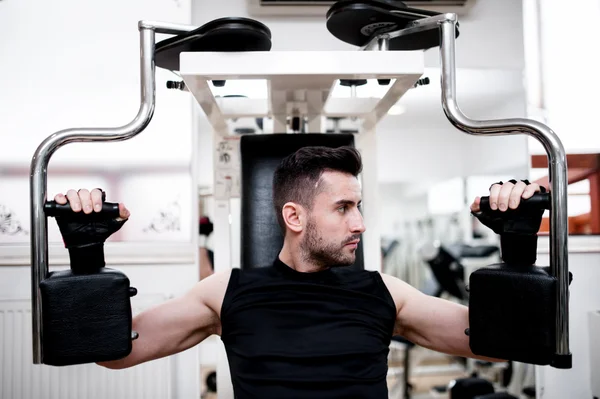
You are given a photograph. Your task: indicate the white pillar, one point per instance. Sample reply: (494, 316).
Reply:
(366, 143)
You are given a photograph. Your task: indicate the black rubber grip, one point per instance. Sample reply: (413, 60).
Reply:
(109, 210)
(537, 201)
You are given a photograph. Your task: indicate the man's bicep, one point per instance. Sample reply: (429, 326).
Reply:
(431, 322)
(425, 320)
(177, 324)
(406, 298)
(204, 301)
(436, 323)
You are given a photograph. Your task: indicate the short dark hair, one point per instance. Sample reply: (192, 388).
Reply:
(296, 176)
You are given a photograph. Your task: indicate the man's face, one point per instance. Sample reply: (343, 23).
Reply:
(335, 223)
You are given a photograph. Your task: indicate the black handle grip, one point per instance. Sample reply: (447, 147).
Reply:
(109, 210)
(536, 201)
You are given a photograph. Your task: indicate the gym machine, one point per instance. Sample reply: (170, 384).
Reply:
(300, 85)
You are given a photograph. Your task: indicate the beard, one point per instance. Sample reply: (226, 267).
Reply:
(320, 252)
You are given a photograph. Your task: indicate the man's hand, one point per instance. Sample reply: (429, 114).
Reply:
(88, 201)
(507, 195)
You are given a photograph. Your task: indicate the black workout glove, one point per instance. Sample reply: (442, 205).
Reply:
(84, 237)
(517, 228)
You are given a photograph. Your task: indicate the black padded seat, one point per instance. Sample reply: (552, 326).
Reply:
(497, 395)
(356, 22)
(220, 35)
(261, 236)
(470, 388)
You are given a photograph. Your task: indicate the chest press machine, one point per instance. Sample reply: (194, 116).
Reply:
(70, 309)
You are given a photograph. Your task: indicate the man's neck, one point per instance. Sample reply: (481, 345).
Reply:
(292, 256)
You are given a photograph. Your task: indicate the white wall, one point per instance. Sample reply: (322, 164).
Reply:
(81, 74)
(398, 208)
(422, 144)
(568, 65)
(70, 64)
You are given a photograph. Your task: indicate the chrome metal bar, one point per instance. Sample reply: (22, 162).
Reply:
(383, 43)
(38, 174)
(166, 27)
(412, 28)
(379, 43)
(557, 165)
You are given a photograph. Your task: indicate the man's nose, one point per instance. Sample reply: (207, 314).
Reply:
(357, 225)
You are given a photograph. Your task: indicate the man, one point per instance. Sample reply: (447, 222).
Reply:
(306, 326)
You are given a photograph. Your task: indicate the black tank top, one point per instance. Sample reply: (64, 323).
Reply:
(293, 335)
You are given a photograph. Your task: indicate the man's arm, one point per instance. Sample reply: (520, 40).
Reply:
(177, 324)
(430, 322)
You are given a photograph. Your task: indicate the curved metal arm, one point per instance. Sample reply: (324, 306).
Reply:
(557, 163)
(557, 168)
(39, 164)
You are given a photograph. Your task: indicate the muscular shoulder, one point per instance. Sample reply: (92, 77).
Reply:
(211, 290)
(399, 290)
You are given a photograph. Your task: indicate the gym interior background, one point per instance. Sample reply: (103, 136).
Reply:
(75, 64)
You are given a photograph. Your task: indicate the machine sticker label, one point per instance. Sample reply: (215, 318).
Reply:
(227, 168)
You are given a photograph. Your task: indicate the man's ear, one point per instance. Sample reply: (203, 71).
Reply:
(293, 216)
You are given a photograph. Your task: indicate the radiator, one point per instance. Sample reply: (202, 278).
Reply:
(21, 379)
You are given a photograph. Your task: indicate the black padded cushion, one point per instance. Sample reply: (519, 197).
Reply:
(220, 35)
(512, 313)
(470, 388)
(357, 21)
(86, 318)
(497, 395)
(261, 236)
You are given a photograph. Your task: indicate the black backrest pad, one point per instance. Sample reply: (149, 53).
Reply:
(261, 235)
